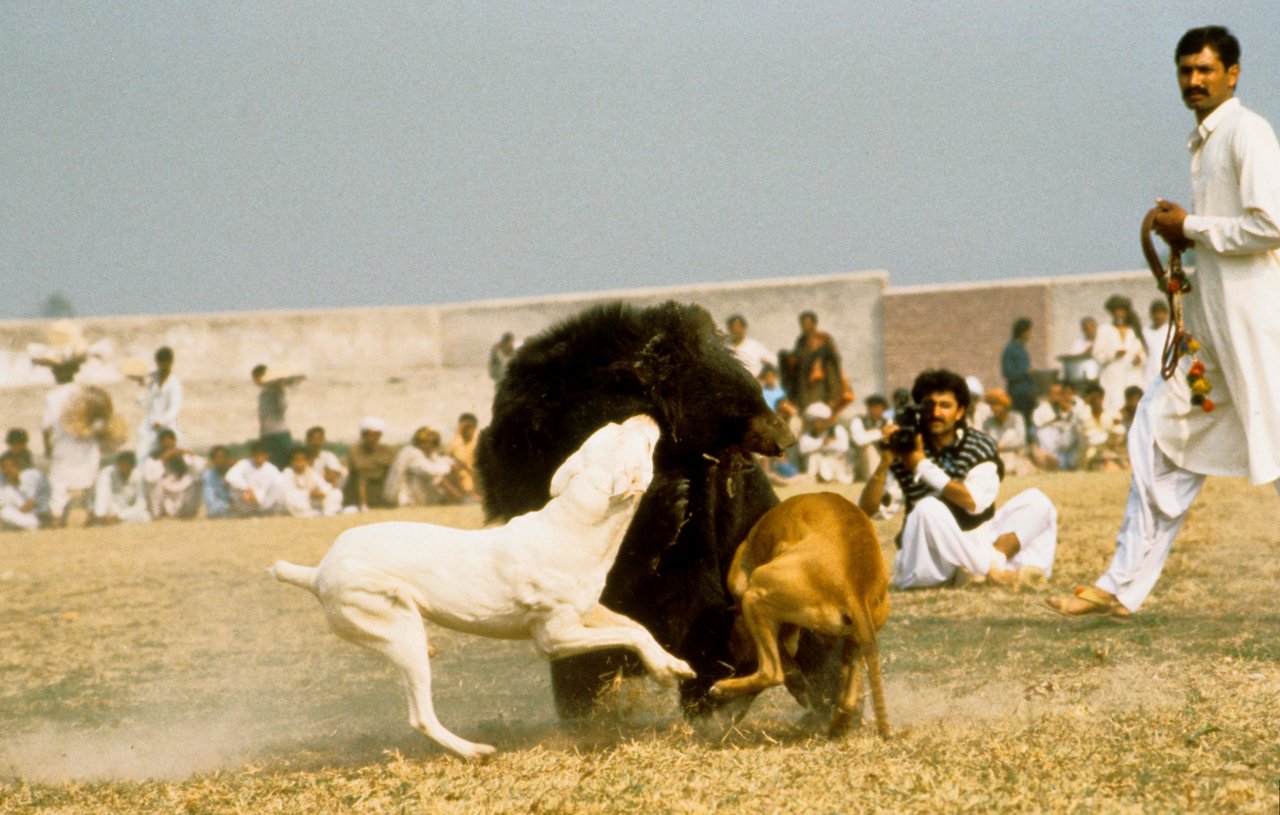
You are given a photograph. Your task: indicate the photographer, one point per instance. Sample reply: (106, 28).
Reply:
(950, 476)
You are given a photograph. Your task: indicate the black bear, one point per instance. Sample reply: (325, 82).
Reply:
(608, 363)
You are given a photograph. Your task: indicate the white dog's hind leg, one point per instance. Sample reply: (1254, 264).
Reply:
(394, 628)
(565, 634)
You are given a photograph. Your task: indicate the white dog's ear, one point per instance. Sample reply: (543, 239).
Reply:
(572, 466)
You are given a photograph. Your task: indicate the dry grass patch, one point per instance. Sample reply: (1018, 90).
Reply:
(158, 669)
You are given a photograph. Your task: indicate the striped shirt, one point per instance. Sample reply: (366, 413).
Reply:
(971, 448)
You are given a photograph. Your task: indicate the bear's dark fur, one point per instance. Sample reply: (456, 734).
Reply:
(608, 363)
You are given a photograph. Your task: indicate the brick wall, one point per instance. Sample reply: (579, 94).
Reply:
(962, 328)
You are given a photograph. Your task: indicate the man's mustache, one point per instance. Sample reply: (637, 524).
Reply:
(1189, 92)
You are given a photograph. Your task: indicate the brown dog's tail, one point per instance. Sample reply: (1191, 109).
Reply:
(874, 610)
(871, 657)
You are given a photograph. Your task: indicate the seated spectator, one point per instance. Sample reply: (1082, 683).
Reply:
(824, 446)
(120, 494)
(18, 501)
(771, 386)
(981, 410)
(901, 397)
(368, 464)
(306, 493)
(462, 449)
(753, 353)
(323, 460)
(256, 485)
(1103, 433)
(171, 475)
(214, 489)
(1009, 431)
(1132, 396)
(17, 441)
(1057, 422)
(866, 432)
(422, 475)
(780, 469)
(32, 480)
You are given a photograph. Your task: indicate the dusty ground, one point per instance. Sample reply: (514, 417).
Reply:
(159, 669)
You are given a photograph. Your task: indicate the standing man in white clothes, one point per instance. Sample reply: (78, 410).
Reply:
(73, 458)
(161, 399)
(1231, 311)
(751, 351)
(273, 402)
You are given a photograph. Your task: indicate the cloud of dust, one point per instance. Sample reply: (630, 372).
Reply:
(1116, 687)
(168, 750)
(160, 751)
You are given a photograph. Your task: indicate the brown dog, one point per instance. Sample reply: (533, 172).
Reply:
(813, 562)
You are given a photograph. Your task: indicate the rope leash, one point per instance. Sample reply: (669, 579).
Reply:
(1178, 341)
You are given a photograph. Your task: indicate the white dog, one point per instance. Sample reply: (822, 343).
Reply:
(538, 577)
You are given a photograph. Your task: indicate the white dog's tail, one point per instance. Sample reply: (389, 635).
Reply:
(301, 576)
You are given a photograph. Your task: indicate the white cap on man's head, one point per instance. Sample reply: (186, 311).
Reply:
(373, 423)
(818, 410)
(975, 388)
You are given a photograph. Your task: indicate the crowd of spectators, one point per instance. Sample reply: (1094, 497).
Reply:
(1078, 424)
(158, 477)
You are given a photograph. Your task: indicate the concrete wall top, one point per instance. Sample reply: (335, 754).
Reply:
(222, 346)
(848, 307)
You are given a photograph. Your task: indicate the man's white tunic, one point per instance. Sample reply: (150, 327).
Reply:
(73, 464)
(1234, 308)
(1232, 311)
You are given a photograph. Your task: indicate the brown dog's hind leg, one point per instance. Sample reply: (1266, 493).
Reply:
(849, 707)
(763, 628)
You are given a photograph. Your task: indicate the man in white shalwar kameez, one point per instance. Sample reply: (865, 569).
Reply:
(18, 499)
(1231, 311)
(120, 494)
(172, 478)
(306, 493)
(161, 400)
(257, 487)
(73, 459)
(753, 353)
(824, 447)
(422, 475)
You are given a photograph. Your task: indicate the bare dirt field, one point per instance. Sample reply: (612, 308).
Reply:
(159, 669)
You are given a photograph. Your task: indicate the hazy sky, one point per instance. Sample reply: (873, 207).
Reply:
(177, 156)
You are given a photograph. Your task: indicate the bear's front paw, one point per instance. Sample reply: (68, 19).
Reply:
(680, 502)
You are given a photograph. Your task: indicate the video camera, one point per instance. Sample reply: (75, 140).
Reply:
(912, 420)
